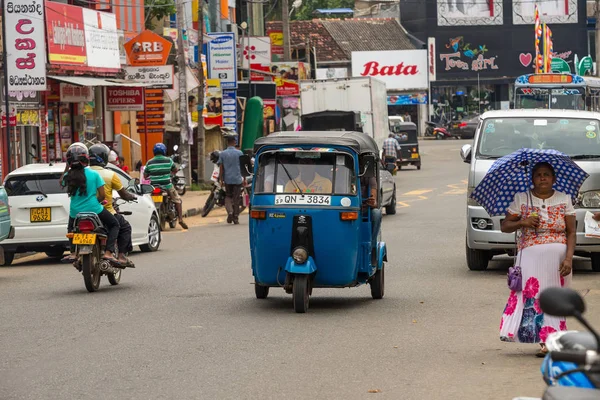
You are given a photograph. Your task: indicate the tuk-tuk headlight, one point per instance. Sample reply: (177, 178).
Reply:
(590, 199)
(300, 255)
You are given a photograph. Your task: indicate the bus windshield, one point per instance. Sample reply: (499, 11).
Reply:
(550, 98)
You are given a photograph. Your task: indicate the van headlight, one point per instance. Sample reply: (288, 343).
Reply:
(300, 255)
(590, 199)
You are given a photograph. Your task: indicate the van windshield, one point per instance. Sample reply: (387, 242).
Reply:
(577, 137)
(306, 172)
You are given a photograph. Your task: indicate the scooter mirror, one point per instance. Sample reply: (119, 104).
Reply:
(561, 302)
(245, 165)
(175, 147)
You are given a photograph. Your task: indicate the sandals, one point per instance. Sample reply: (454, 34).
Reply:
(543, 351)
(71, 258)
(113, 260)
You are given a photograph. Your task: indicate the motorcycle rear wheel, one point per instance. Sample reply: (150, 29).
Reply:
(91, 271)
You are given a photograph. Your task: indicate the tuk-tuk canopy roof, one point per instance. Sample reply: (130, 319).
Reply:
(357, 141)
(406, 125)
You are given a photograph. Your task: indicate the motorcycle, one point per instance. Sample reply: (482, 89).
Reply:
(89, 237)
(217, 193)
(178, 179)
(572, 366)
(437, 130)
(167, 212)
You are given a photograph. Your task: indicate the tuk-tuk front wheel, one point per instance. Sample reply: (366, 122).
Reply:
(301, 293)
(378, 284)
(261, 291)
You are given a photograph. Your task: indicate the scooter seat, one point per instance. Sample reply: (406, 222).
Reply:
(578, 341)
(570, 393)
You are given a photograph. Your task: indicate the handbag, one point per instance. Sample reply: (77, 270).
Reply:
(514, 277)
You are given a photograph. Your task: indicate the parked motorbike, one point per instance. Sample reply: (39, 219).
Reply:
(437, 130)
(89, 237)
(216, 198)
(178, 179)
(572, 366)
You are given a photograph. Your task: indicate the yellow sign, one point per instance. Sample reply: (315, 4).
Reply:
(28, 118)
(276, 38)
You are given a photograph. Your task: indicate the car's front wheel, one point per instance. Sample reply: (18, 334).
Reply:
(9, 256)
(154, 236)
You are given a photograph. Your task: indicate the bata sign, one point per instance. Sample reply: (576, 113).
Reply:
(399, 69)
(124, 99)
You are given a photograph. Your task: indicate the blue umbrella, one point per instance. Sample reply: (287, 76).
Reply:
(511, 174)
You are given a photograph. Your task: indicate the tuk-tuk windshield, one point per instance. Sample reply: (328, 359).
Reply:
(306, 172)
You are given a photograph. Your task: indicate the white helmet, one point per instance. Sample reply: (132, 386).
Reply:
(112, 157)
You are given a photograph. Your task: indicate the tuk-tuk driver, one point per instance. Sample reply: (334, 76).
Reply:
(308, 180)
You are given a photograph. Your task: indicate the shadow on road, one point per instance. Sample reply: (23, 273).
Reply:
(317, 304)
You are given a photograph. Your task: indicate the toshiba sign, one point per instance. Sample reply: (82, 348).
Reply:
(399, 69)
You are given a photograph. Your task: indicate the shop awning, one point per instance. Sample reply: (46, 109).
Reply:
(88, 81)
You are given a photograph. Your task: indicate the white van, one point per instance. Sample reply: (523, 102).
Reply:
(576, 133)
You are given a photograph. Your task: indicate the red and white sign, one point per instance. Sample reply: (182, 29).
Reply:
(75, 94)
(12, 118)
(124, 99)
(399, 69)
(431, 58)
(257, 49)
(25, 48)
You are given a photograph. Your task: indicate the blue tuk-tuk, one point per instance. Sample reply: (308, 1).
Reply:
(315, 214)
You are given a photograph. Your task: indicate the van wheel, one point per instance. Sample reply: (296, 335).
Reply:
(391, 209)
(8, 258)
(595, 262)
(477, 260)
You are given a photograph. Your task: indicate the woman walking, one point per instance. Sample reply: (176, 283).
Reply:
(545, 219)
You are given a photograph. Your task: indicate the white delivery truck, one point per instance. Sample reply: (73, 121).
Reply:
(349, 104)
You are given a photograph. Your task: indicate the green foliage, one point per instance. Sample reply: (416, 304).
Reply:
(308, 6)
(158, 9)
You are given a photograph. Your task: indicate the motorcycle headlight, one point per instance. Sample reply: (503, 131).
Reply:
(590, 199)
(300, 255)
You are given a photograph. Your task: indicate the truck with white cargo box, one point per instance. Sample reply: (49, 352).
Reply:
(350, 103)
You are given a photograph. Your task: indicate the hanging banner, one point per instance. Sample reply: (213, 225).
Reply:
(230, 109)
(214, 103)
(222, 59)
(25, 49)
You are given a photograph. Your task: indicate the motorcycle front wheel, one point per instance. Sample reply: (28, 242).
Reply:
(210, 203)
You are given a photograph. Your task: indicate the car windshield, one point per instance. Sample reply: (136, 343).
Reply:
(306, 172)
(577, 137)
(44, 184)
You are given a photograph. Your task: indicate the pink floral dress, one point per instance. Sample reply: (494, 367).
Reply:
(540, 253)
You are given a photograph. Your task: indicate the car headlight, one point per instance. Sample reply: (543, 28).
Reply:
(300, 255)
(590, 199)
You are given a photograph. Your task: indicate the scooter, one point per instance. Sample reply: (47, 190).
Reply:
(572, 366)
(178, 179)
(217, 193)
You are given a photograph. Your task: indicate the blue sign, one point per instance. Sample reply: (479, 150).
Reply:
(222, 59)
(407, 99)
(230, 109)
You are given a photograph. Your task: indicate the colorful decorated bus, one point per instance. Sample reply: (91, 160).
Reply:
(558, 91)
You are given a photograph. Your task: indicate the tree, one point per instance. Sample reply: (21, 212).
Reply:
(158, 9)
(305, 11)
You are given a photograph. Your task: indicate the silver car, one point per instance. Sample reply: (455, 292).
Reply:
(576, 133)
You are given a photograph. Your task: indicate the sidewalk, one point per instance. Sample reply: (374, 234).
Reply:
(193, 202)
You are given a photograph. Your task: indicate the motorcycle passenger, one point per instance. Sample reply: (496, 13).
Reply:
(159, 169)
(99, 154)
(308, 179)
(86, 191)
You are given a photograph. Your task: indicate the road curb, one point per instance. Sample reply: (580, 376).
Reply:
(192, 212)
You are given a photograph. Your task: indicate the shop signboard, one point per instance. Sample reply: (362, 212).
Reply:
(25, 49)
(13, 115)
(22, 99)
(230, 109)
(398, 69)
(222, 59)
(214, 103)
(159, 76)
(148, 49)
(75, 94)
(257, 50)
(407, 99)
(101, 39)
(332, 73)
(66, 34)
(276, 37)
(287, 76)
(124, 99)
(28, 118)
(431, 58)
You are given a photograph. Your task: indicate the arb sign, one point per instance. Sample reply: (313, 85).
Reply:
(148, 49)
(399, 69)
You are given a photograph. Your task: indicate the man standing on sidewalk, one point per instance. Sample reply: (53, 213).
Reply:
(231, 176)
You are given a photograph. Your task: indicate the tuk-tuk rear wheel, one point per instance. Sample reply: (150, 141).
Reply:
(261, 291)
(301, 293)
(378, 284)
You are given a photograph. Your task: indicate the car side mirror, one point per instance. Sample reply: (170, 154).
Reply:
(133, 182)
(146, 189)
(368, 166)
(245, 165)
(466, 152)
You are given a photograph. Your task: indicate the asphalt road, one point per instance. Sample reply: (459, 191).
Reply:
(185, 323)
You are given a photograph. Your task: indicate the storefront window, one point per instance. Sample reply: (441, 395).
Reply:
(452, 103)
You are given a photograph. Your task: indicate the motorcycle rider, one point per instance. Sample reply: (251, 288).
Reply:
(99, 156)
(159, 169)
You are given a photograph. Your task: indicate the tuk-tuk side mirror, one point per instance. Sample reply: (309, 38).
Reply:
(368, 166)
(245, 165)
(466, 152)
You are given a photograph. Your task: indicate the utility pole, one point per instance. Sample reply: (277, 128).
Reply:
(200, 106)
(597, 15)
(183, 104)
(285, 20)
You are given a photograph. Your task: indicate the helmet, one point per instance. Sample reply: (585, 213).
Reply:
(214, 156)
(77, 155)
(160, 148)
(113, 157)
(99, 154)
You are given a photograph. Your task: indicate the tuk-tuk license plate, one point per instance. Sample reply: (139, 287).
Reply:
(84, 238)
(307, 199)
(157, 199)
(40, 214)
(414, 155)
